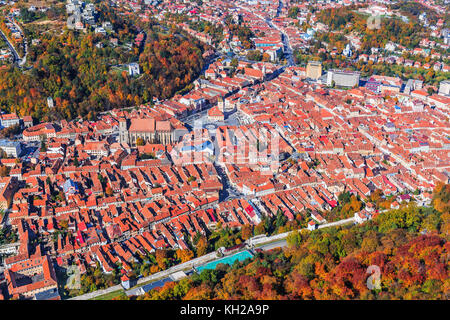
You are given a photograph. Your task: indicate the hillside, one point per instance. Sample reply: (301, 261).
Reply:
(87, 72)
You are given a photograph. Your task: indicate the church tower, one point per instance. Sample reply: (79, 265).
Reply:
(221, 103)
(123, 131)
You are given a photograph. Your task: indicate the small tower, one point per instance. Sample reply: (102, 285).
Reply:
(347, 51)
(125, 281)
(221, 103)
(123, 130)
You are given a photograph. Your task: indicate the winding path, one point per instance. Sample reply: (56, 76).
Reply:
(17, 59)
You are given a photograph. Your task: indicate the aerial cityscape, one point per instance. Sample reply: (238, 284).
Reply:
(224, 149)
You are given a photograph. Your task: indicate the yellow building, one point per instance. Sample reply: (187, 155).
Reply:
(314, 70)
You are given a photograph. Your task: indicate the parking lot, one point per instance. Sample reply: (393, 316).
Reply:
(30, 150)
(201, 119)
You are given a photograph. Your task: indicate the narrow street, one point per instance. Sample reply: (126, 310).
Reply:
(11, 47)
(287, 49)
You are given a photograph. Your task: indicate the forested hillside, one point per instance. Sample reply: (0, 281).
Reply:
(85, 74)
(348, 20)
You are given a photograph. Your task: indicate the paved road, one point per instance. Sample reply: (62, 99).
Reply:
(284, 37)
(11, 47)
(288, 52)
(337, 223)
(20, 61)
(273, 245)
(24, 58)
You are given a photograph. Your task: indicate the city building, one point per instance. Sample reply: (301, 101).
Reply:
(343, 78)
(11, 148)
(412, 85)
(133, 69)
(27, 121)
(149, 130)
(31, 277)
(314, 70)
(347, 50)
(8, 120)
(39, 132)
(444, 88)
(214, 114)
(381, 84)
(8, 186)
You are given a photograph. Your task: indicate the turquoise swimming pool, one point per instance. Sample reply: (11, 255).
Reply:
(241, 256)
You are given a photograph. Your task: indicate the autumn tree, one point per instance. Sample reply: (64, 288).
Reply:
(109, 191)
(161, 258)
(202, 246)
(184, 255)
(4, 171)
(140, 141)
(247, 231)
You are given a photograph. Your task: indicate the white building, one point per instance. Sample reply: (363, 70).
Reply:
(343, 78)
(50, 103)
(133, 69)
(11, 148)
(347, 51)
(444, 88)
(8, 120)
(362, 216)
